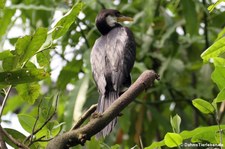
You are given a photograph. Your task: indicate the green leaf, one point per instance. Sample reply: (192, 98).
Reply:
(5, 20)
(50, 130)
(70, 103)
(156, 145)
(214, 50)
(203, 106)
(207, 135)
(203, 133)
(46, 108)
(221, 34)
(221, 96)
(29, 92)
(175, 123)
(5, 54)
(26, 121)
(211, 7)
(218, 76)
(95, 144)
(2, 4)
(197, 133)
(66, 21)
(69, 72)
(190, 15)
(43, 58)
(15, 134)
(9, 63)
(22, 44)
(13, 103)
(219, 62)
(27, 46)
(116, 146)
(25, 75)
(173, 139)
(81, 98)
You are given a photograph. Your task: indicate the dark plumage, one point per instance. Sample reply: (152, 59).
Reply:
(112, 59)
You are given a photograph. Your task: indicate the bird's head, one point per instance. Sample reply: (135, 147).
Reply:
(107, 19)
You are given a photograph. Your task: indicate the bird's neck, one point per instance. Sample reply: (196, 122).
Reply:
(104, 28)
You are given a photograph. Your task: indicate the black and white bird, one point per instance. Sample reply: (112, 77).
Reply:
(112, 59)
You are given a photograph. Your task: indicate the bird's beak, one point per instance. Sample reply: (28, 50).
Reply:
(124, 18)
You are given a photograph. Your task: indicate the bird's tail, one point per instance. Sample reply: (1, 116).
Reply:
(103, 103)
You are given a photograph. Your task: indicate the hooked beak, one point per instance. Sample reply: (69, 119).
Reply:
(124, 18)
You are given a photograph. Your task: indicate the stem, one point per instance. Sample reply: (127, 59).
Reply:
(220, 129)
(205, 17)
(2, 142)
(35, 124)
(20, 145)
(5, 99)
(49, 118)
(84, 36)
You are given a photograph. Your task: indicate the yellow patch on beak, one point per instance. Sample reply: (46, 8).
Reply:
(124, 18)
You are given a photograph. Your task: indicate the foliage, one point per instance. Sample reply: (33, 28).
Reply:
(173, 37)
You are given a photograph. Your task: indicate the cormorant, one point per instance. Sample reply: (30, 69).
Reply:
(112, 59)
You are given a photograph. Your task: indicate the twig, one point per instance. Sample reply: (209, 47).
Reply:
(2, 142)
(87, 25)
(205, 17)
(83, 35)
(84, 117)
(221, 111)
(42, 140)
(5, 99)
(141, 143)
(220, 129)
(35, 123)
(156, 14)
(80, 135)
(17, 143)
(101, 4)
(37, 130)
(61, 55)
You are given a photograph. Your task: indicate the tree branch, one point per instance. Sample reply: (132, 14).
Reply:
(85, 116)
(16, 142)
(2, 142)
(5, 99)
(80, 135)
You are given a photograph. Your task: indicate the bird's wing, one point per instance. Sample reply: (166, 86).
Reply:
(98, 64)
(112, 59)
(120, 53)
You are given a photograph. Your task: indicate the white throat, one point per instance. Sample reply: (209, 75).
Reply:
(111, 20)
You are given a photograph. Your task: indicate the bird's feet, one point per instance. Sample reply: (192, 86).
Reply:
(96, 115)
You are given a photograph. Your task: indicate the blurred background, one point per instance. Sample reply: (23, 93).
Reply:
(170, 37)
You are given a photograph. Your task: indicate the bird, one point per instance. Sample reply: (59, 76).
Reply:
(112, 58)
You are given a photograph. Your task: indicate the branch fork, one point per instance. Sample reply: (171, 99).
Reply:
(79, 135)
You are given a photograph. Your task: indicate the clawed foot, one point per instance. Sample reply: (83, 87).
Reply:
(96, 115)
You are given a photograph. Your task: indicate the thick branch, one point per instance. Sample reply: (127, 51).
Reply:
(80, 135)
